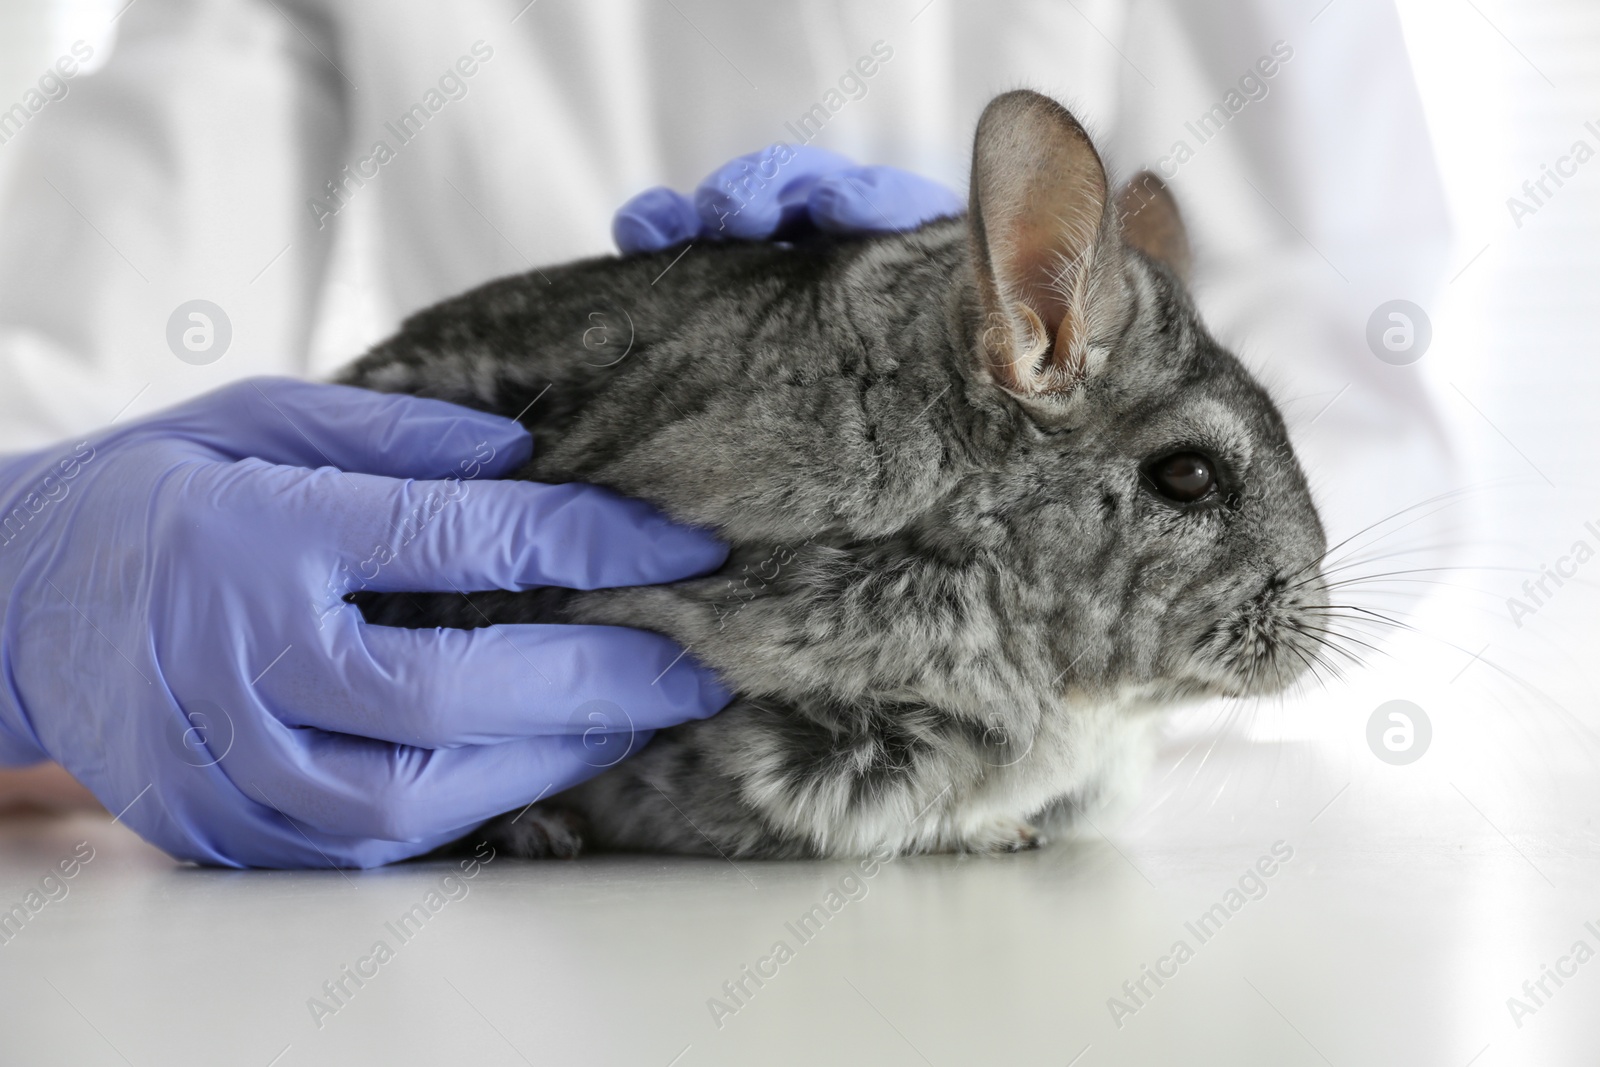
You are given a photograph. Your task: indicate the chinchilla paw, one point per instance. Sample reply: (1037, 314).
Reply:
(1005, 835)
(538, 833)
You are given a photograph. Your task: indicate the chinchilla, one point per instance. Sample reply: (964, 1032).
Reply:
(995, 497)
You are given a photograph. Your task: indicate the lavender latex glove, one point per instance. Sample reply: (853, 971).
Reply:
(176, 632)
(782, 191)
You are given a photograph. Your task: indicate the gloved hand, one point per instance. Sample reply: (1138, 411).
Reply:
(781, 191)
(175, 631)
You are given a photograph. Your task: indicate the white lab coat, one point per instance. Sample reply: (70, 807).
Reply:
(189, 167)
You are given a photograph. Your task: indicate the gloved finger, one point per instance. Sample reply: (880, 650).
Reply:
(763, 193)
(871, 199)
(655, 219)
(338, 789)
(310, 424)
(457, 536)
(446, 688)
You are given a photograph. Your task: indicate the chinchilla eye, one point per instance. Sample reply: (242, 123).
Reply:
(1183, 477)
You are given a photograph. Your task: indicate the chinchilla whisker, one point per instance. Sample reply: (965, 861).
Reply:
(1401, 577)
(1376, 627)
(1326, 641)
(1212, 727)
(1333, 668)
(1409, 570)
(1332, 665)
(1516, 679)
(1363, 634)
(1459, 567)
(1433, 546)
(1310, 665)
(1383, 588)
(1180, 760)
(1386, 615)
(1217, 736)
(1235, 725)
(1539, 694)
(1319, 657)
(1362, 638)
(1347, 637)
(1326, 664)
(1322, 662)
(1448, 499)
(1368, 561)
(1364, 615)
(1375, 586)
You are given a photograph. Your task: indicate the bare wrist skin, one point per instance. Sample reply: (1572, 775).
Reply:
(44, 788)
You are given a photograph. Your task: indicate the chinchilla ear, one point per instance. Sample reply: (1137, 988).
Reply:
(1045, 247)
(1151, 223)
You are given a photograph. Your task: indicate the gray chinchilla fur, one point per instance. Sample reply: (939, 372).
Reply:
(995, 498)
